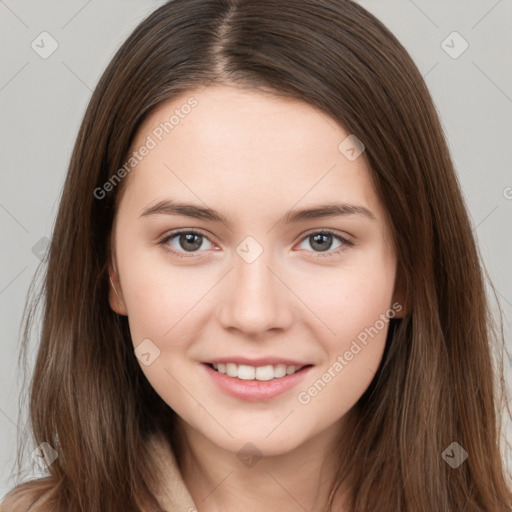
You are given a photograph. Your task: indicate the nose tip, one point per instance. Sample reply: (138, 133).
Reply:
(254, 299)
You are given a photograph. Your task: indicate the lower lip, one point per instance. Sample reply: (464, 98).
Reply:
(256, 390)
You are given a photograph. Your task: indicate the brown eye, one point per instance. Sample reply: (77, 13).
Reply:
(190, 241)
(322, 242)
(183, 242)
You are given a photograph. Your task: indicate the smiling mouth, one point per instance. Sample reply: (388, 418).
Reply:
(262, 373)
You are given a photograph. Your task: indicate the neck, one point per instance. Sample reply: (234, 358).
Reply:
(300, 479)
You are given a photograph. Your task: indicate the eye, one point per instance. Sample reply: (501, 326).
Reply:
(182, 242)
(322, 242)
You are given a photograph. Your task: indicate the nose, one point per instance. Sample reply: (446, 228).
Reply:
(255, 298)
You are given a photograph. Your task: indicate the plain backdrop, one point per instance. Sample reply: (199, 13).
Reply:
(43, 98)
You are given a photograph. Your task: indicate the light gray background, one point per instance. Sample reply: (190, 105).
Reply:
(42, 102)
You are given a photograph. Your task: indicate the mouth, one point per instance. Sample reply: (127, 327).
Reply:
(256, 383)
(257, 373)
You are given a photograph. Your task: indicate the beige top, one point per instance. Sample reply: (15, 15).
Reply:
(172, 492)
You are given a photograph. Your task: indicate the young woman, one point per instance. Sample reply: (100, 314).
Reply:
(263, 291)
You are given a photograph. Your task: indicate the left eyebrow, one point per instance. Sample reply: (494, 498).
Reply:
(326, 210)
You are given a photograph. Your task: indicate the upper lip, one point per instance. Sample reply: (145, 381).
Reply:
(261, 361)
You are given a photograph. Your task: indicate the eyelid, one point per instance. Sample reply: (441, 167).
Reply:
(164, 239)
(174, 232)
(341, 234)
(345, 239)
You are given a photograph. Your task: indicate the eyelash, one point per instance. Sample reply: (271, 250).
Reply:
(345, 243)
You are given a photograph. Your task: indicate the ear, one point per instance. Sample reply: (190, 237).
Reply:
(115, 294)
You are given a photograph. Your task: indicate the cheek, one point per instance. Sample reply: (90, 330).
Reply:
(164, 306)
(359, 316)
(356, 304)
(158, 295)
(353, 298)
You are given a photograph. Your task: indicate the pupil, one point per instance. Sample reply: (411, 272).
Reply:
(319, 238)
(188, 238)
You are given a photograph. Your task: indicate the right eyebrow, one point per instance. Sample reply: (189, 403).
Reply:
(171, 207)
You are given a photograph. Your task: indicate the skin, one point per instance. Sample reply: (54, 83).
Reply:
(253, 157)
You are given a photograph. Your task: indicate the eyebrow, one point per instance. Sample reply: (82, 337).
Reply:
(173, 207)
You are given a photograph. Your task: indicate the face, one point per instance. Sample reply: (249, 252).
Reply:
(240, 281)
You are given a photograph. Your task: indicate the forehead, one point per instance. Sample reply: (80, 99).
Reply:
(253, 118)
(243, 148)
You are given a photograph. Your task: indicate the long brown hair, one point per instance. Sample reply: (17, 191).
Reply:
(436, 383)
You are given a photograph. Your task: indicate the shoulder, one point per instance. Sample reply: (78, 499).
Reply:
(32, 496)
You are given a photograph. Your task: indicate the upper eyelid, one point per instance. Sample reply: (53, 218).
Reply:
(345, 239)
(174, 233)
(342, 236)
(328, 231)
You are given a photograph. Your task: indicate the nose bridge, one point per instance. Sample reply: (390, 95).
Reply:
(255, 298)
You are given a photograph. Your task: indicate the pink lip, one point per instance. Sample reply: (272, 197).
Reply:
(255, 390)
(262, 361)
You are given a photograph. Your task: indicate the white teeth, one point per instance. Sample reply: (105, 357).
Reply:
(246, 372)
(279, 370)
(264, 372)
(232, 370)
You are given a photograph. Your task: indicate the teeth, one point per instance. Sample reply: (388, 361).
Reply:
(246, 372)
(231, 370)
(265, 372)
(279, 371)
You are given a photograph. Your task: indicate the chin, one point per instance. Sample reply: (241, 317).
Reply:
(259, 443)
